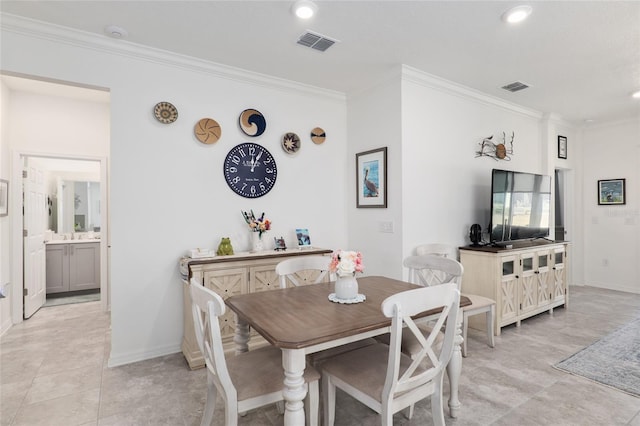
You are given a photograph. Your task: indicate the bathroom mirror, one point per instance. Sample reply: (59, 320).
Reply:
(78, 206)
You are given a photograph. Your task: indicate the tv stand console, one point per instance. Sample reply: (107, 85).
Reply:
(524, 281)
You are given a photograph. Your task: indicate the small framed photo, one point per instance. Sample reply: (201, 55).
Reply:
(4, 197)
(611, 192)
(371, 178)
(562, 147)
(302, 234)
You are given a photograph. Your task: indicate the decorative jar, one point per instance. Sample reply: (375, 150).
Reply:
(257, 243)
(346, 287)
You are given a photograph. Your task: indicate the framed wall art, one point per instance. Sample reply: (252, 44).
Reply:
(562, 147)
(611, 192)
(371, 178)
(4, 197)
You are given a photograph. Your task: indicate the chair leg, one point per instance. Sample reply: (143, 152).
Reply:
(465, 325)
(210, 403)
(491, 314)
(437, 407)
(328, 400)
(312, 403)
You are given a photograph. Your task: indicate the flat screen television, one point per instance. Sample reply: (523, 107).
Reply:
(520, 206)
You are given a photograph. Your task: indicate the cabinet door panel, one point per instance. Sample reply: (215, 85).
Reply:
(57, 271)
(508, 290)
(559, 275)
(227, 283)
(543, 280)
(84, 266)
(263, 278)
(528, 282)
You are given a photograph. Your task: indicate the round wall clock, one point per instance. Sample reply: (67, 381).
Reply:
(252, 122)
(207, 130)
(165, 112)
(290, 143)
(318, 135)
(250, 170)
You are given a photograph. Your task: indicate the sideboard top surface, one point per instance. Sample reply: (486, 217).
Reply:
(515, 246)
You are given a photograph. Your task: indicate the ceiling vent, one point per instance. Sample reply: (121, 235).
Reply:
(316, 41)
(516, 86)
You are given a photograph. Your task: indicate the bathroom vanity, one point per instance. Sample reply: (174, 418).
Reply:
(72, 265)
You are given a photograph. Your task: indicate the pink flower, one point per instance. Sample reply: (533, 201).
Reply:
(344, 263)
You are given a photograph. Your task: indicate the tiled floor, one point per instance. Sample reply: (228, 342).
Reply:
(53, 372)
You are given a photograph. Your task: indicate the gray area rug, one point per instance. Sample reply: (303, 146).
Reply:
(613, 360)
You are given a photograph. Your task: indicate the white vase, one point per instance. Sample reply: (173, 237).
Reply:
(346, 287)
(257, 243)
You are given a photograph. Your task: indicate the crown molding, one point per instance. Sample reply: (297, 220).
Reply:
(86, 40)
(431, 81)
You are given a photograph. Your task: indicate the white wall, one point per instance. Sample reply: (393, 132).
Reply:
(447, 188)
(612, 233)
(375, 122)
(167, 192)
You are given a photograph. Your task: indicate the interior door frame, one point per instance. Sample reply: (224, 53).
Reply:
(17, 249)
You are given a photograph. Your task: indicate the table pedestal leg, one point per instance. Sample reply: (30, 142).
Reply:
(454, 369)
(293, 362)
(241, 336)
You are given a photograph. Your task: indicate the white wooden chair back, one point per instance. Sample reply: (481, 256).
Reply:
(431, 270)
(303, 270)
(438, 249)
(401, 307)
(206, 307)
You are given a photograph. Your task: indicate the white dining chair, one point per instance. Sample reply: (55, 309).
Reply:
(382, 376)
(303, 270)
(479, 304)
(245, 381)
(313, 270)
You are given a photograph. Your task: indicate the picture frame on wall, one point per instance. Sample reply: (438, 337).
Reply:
(371, 178)
(562, 147)
(4, 197)
(612, 192)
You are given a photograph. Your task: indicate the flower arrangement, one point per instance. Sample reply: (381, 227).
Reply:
(257, 224)
(345, 263)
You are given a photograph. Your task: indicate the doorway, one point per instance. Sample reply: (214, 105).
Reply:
(562, 208)
(76, 118)
(73, 222)
(72, 233)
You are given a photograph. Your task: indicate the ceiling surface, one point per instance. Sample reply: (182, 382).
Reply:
(580, 59)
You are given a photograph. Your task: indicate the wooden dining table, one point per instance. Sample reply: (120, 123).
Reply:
(302, 320)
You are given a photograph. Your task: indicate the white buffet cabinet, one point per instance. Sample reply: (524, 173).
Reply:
(232, 275)
(524, 281)
(72, 265)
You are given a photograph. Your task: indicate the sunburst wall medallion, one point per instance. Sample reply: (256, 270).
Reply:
(290, 143)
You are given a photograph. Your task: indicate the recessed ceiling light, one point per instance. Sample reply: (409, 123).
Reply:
(115, 32)
(636, 95)
(516, 14)
(304, 9)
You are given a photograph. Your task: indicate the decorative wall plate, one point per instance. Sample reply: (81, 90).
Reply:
(165, 112)
(252, 122)
(290, 143)
(207, 131)
(318, 135)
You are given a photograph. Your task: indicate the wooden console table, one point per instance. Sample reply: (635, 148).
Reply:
(524, 281)
(237, 274)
